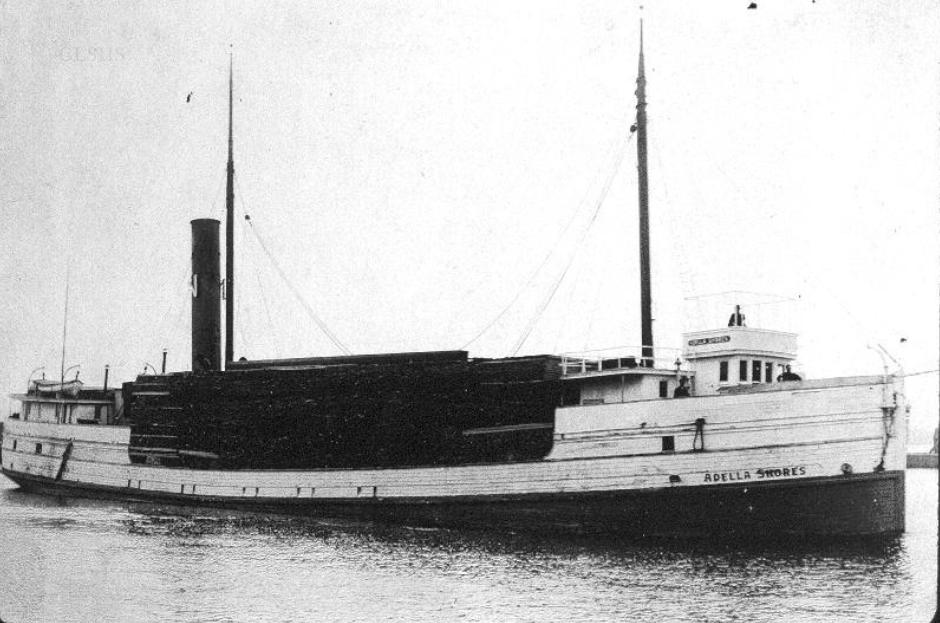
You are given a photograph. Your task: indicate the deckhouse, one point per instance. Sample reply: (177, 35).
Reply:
(67, 403)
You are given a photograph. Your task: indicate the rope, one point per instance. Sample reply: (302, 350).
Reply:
(548, 299)
(887, 421)
(568, 305)
(920, 373)
(598, 288)
(548, 255)
(698, 442)
(172, 316)
(215, 205)
(244, 313)
(264, 298)
(310, 312)
(267, 311)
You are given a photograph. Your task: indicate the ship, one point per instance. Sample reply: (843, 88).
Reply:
(720, 439)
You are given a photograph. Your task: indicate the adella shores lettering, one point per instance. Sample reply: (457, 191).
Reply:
(718, 339)
(759, 474)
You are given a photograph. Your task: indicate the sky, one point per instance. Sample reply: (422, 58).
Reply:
(433, 176)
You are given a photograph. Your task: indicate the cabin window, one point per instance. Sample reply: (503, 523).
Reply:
(669, 443)
(664, 389)
(38, 448)
(84, 413)
(755, 371)
(769, 372)
(14, 444)
(26, 412)
(742, 370)
(723, 372)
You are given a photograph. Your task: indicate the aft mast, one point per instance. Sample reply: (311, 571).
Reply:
(230, 234)
(645, 287)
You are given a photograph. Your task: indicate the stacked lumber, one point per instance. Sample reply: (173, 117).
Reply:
(389, 414)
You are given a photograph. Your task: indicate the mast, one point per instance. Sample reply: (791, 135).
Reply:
(646, 305)
(230, 233)
(65, 329)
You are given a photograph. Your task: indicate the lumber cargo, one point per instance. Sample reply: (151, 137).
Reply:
(339, 414)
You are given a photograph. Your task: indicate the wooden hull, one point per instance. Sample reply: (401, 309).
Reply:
(859, 505)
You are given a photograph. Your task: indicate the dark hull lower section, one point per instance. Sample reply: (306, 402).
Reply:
(855, 505)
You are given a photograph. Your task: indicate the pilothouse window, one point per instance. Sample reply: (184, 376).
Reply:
(723, 372)
(769, 372)
(755, 371)
(742, 370)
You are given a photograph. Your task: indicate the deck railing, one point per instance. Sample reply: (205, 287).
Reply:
(621, 358)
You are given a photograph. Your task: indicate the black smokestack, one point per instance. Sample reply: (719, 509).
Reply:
(207, 340)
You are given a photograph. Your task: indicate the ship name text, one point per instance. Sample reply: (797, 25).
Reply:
(760, 474)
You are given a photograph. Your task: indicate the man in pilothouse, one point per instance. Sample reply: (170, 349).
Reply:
(737, 318)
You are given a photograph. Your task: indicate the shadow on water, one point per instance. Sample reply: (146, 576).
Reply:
(708, 557)
(800, 570)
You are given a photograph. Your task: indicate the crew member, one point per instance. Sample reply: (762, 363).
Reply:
(789, 376)
(682, 391)
(737, 318)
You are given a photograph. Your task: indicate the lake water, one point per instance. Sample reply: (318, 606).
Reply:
(69, 560)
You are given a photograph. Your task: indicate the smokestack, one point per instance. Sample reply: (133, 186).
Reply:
(206, 328)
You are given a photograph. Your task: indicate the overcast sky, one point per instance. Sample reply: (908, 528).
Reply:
(416, 168)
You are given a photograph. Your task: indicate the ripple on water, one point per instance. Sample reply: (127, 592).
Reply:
(80, 560)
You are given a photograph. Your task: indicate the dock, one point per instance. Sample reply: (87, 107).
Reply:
(922, 460)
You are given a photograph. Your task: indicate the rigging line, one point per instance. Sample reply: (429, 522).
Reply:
(313, 315)
(675, 224)
(598, 288)
(568, 304)
(244, 312)
(171, 317)
(241, 333)
(185, 289)
(267, 311)
(548, 299)
(215, 206)
(548, 255)
(323, 327)
(922, 372)
(264, 300)
(584, 201)
(538, 313)
(804, 272)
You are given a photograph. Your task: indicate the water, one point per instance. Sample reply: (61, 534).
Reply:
(94, 561)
